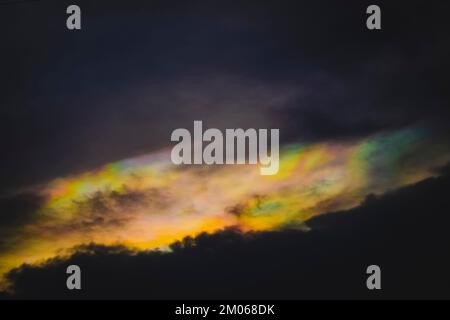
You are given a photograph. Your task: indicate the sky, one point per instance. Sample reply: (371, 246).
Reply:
(86, 118)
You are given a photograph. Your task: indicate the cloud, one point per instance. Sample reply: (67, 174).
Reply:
(146, 202)
(405, 232)
(348, 103)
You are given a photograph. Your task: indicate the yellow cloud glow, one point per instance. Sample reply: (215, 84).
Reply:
(146, 202)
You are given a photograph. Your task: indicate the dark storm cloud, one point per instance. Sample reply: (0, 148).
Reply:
(139, 69)
(405, 232)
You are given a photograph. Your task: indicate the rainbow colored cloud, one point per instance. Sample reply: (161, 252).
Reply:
(145, 203)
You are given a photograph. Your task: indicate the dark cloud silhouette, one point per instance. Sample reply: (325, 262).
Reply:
(404, 232)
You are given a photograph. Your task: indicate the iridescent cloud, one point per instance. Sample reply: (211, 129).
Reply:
(146, 202)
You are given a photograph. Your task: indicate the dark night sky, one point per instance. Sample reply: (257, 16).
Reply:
(71, 101)
(136, 71)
